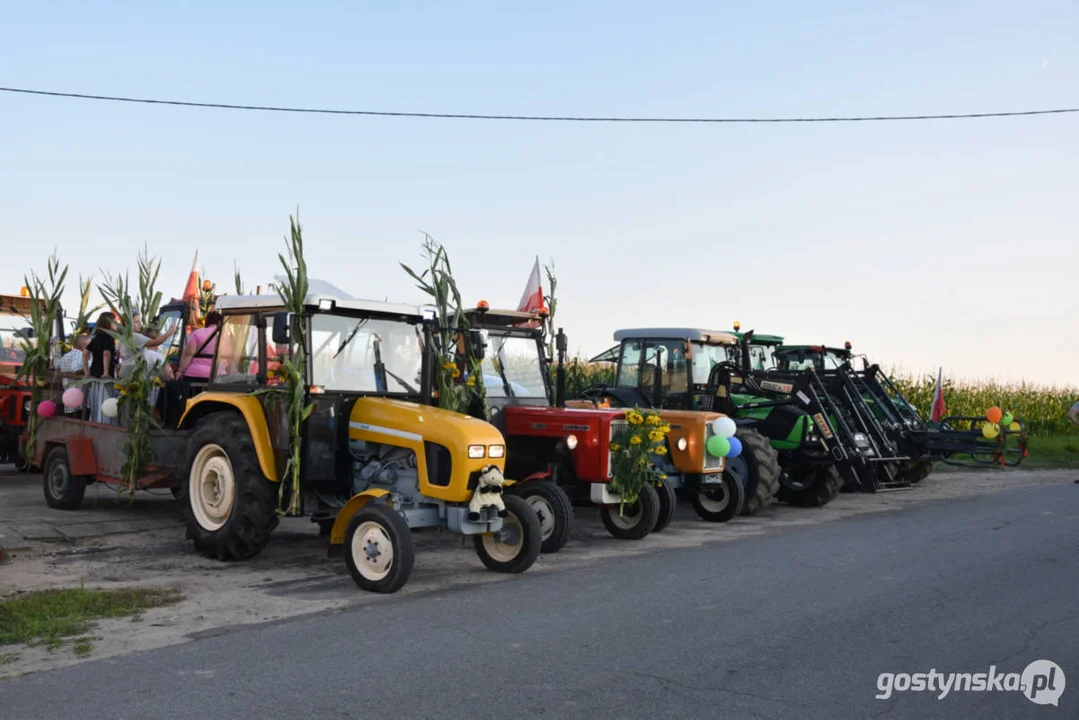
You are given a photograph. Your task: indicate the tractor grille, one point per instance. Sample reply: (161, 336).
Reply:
(616, 426)
(711, 462)
(438, 464)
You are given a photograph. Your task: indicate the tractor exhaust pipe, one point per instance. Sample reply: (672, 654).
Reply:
(560, 370)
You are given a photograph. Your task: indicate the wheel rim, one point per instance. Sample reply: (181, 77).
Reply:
(212, 487)
(58, 480)
(372, 551)
(628, 518)
(544, 512)
(506, 544)
(715, 500)
(737, 468)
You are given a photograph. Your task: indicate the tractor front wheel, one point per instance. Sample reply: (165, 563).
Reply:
(515, 547)
(231, 507)
(668, 501)
(920, 471)
(378, 549)
(553, 510)
(810, 486)
(720, 502)
(635, 520)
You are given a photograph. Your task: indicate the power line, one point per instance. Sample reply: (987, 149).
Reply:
(540, 118)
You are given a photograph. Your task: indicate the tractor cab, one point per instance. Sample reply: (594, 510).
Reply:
(797, 358)
(668, 367)
(510, 346)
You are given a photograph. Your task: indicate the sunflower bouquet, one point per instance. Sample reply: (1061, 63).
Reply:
(632, 447)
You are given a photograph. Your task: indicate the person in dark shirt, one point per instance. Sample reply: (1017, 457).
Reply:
(100, 355)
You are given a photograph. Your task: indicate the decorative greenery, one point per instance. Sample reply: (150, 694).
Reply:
(207, 299)
(82, 320)
(45, 295)
(135, 390)
(149, 296)
(644, 435)
(294, 368)
(437, 280)
(237, 279)
(550, 300)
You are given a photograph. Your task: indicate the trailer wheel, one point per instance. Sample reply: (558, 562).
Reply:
(63, 490)
(231, 507)
(553, 510)
(719, 503)
(811, 486)
(514, 548)
(668, 501)
(635, 521)
(758, 464)
(378, 549)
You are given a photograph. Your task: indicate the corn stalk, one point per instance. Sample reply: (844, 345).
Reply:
(82, 320)
(454, 392)
(45, 295)
(294, 368)
(149, 296)
(551, 301)
(238, 280)
(134, 400)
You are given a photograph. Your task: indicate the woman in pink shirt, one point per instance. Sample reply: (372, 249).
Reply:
(197, 360)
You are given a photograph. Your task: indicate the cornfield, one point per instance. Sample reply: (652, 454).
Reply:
(1043, 409)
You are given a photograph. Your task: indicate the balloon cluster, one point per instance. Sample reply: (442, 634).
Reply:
(998, 419)
(724, 443)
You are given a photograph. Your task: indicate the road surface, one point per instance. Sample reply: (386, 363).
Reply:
(797, 624)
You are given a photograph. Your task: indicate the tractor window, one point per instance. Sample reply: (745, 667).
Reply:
(518, 359)
(706, 357)
(237, 352)
(629, 365)
(366, 355)
(761, 357)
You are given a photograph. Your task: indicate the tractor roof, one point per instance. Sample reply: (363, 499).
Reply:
(501, 318)
(761, 339)
(272, 301)
(17, 305)
(712, 337)
(814, 348)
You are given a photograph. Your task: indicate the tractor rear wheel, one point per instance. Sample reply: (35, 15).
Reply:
(553, 510)
(515, 547)
(378, 549)
(920, 471)
(633, 521)
(63, 490)
(757, 467)
(231, 507)
(668, 501)
(810, 486)
(720, 502)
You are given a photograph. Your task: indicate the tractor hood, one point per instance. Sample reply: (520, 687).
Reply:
(695, 427)
(590, 426)
(411, 420)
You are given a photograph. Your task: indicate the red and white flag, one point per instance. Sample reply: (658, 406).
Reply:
(938, 411)
(532, 300)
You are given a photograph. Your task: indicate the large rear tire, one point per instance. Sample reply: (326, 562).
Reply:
(63, 490)
(553, 510)
(721, 502)
(668, 502)
(231, 507)
(760, 467)
(811, 486)
(378, 549)
(516, 546)
(634, 521)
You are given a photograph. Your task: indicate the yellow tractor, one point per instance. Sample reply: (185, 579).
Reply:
(374, 463)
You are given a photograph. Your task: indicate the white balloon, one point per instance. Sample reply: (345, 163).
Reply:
(110, 408)
(724, 427)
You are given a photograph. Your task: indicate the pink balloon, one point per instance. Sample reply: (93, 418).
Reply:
(72, 398)
(46, 408)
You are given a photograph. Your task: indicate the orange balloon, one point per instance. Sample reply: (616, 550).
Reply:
(994, 414)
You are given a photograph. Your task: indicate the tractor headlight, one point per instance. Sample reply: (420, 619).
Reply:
(812, 437)
(476, 451)
(26, 408)
(860, 440)
(571, 442)
(682, 444)
(496, 451)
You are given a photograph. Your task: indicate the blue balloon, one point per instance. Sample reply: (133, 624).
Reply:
(736, 447)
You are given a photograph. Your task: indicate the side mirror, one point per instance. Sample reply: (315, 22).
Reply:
(478, 340)
(281, 324)
(561, 341)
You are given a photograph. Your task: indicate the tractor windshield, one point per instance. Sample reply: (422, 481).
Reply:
(820, 359)
(366, 355)
(762, 357)
(513, 361)
(12, 334)
(646, 364)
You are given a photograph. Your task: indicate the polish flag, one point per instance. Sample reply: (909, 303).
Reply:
(532, 300)
(938, 399)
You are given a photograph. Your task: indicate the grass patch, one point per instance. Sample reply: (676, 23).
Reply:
(1060, 451)
(47, 617)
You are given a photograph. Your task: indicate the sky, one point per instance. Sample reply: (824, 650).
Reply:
(926, 244)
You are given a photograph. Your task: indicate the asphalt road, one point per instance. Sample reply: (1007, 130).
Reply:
(794, 625)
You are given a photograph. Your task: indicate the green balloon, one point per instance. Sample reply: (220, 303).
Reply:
(718, 446)
(1007, 419)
